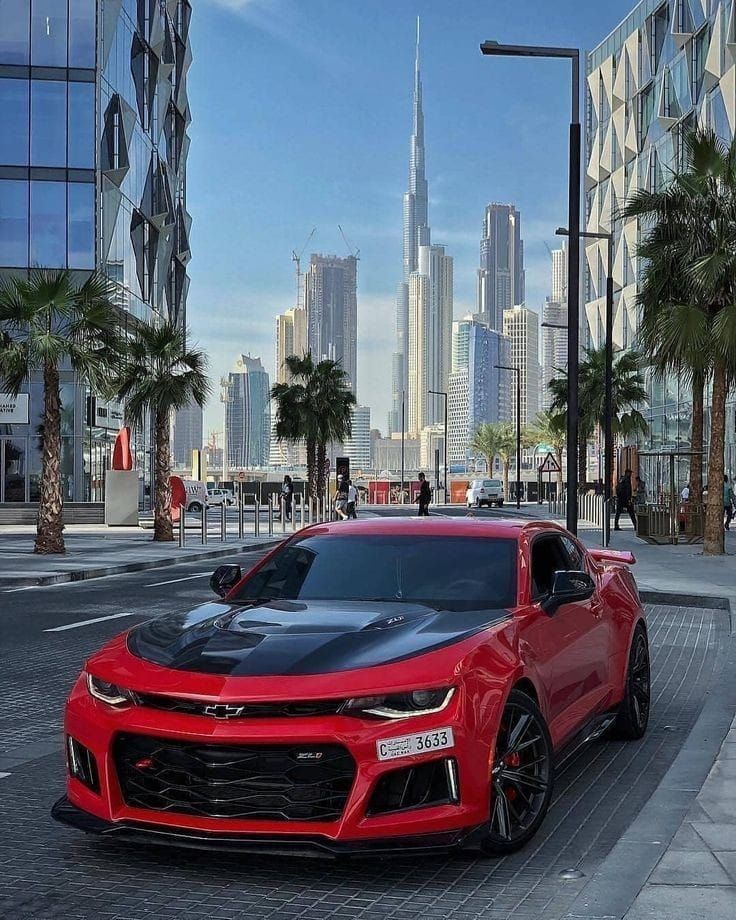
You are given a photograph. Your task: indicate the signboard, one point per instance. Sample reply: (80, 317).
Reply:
(342, 467)
(549, 465)
(14, 409)
(240, 476)
(101, 414)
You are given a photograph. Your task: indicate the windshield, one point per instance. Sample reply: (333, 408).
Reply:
(450, 573)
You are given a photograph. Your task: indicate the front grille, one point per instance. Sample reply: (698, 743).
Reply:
(244, 710)
(267, 782)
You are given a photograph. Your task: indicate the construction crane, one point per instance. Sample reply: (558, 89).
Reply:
(298, 259)
(353, 251)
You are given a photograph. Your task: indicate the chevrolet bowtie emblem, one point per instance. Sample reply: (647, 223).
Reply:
(223, 711)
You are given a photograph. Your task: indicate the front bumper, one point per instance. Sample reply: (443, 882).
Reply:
(316, 846)
(356, 831)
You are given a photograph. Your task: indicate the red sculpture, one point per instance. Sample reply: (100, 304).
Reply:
(122, 458)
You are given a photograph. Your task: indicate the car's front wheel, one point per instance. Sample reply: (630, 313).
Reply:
(633, 713)
(521, 778)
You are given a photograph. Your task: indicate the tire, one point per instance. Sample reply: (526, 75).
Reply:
(633, 713)
(500, 504)
(195, 507)
(528, 779)
(478, 503)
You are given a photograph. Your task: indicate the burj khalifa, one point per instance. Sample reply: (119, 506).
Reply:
(416, 234)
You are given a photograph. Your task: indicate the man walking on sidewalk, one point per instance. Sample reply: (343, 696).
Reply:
(623, 499)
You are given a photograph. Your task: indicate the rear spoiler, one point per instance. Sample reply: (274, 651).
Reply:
(612, 555)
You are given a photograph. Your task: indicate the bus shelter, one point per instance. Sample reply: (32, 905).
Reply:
(665, 518)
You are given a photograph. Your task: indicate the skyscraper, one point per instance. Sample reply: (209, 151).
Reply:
(416, 234)
(358, 446)
(187, 435)
(248, 415)
(479, 392)
(332, 312)
(93, 153)
(429, 336)
(501, 272)
(554, 347)
(291, 339)
(522, 327)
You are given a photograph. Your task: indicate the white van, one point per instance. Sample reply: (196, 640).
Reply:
(484, 492)
(196, 494)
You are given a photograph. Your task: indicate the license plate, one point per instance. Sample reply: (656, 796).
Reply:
(423, 743)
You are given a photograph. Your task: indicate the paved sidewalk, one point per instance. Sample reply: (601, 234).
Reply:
(95, 551)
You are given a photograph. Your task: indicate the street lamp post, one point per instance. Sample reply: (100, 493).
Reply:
(444, 394)
(573, 264)
(517, 371)
(608, 381)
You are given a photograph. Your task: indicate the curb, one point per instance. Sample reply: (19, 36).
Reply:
(668, 598)
(615, 885)
(124, 568)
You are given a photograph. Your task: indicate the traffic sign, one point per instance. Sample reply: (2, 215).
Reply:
(550, 465)
(240, 476)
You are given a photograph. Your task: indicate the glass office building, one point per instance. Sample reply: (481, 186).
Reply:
(93, 149)
(669, 66)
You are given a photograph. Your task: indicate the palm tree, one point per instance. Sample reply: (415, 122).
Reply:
(159, 375)
(628, 392)
(551, 428)
(496, 439)
(314, 407)
(695, 218)
(49, 320)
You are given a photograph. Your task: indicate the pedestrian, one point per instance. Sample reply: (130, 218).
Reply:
(727, 502)
(598, 487)
(287, 496)
(341, 499)
(424, 497)
(685, 494)
(352, 501)
(624, 499)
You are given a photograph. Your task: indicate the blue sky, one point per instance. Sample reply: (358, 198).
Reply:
(301, 118)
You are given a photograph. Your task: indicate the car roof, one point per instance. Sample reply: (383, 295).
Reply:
(509, 528)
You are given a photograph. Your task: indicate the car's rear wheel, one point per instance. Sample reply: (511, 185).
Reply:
(633, 713)
(195, 507)
(521, 778)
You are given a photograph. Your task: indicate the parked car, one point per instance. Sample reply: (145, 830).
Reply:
(484, 492)
(197, 497)
(379, 688)
(217, 496)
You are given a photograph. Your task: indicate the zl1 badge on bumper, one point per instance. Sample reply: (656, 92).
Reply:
(422, 743)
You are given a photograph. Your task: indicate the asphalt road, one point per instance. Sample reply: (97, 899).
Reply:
(48, 871)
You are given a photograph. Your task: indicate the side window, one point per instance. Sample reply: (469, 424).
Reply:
(574, 552)
(548, 556)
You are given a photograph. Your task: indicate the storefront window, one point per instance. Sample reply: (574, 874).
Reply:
(13, 466)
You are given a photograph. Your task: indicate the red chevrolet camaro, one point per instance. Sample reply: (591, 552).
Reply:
(374, 687)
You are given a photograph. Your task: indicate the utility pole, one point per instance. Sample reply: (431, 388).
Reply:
(226, 400)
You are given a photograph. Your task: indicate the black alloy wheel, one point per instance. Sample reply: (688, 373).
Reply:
(633, 714)
(522, 776)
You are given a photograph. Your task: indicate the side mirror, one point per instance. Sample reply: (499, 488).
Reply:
(568, 587)
(224, 578)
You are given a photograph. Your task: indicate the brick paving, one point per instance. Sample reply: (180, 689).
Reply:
(47, 871)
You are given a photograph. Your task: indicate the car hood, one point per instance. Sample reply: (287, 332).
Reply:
(300, 638)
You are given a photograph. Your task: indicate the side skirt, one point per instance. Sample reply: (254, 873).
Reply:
(591, 731)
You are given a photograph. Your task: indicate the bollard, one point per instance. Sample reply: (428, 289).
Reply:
(223, 522)
(282, 512)
(301, 511)
(182, 526)
(241, 514)
(270, 516)
(293, 513)
(204, 524)
(257, 522)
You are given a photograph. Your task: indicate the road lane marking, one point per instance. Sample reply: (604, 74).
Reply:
(112, 616)
(173, 581)
(3, 775)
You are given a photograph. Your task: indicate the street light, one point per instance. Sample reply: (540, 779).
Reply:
(608, 384)
(573, 262)
(517, 371)
(443, 393)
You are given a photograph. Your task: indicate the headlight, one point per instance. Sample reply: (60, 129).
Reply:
(109, 693)
(400, 705)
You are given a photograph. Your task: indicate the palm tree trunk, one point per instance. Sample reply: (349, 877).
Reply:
(506, 468)
(713, 544)
(321, 461)
(312, 468)
(582, 460)
(559, 471)
(696, 441)
(50, 525)
(163, 530)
